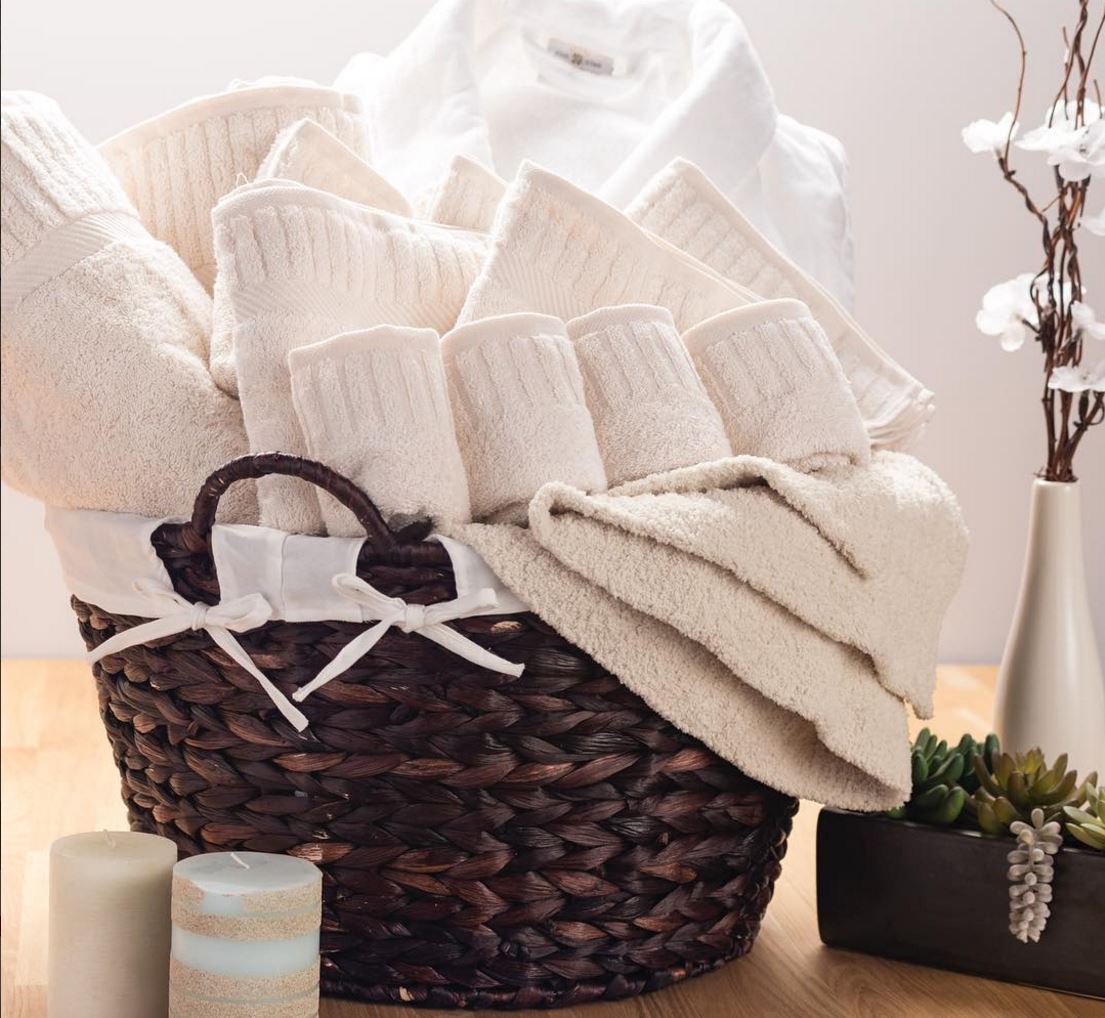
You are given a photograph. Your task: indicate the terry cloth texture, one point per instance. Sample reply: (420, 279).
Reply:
(107, 400)
(779, 617)
(560, 251)
(520, 412)
(683, 206)
(650, 409)
(178, 165)
(374, 406)
(467, 197)
(300, 266)
(782, 395)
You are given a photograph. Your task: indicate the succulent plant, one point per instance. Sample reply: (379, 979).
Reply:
(1087, 825)
(1011, 787)
(1031, 870)
(936, 797)
(970, 749)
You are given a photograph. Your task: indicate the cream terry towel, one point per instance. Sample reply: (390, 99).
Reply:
(520, 413)
(558, 250)
(650, 410)
(300, 265)
(776, 616)
(769, 370)
(177, 166)
(468, 197)
(107, 400)
(374, 406)
(685, 208)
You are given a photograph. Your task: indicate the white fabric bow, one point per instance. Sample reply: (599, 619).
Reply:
(240, 615)
(426, 620)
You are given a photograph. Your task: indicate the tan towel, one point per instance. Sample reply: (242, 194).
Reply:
(468, 197)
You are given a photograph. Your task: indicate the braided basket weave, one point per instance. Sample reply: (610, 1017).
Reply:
(486, 841)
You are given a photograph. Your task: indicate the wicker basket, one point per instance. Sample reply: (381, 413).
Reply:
(486, 841)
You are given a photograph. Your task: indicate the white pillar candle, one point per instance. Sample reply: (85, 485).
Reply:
(245, 936)
(109, 925)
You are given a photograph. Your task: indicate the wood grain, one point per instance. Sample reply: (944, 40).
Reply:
(58, 778)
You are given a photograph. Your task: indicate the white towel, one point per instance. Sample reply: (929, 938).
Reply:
(374, 406)
(778, 385)
(520, 412)
(107, 400)
(685, 208)
(467, 197)
(558, 250)
(650, 409)
(177, 166)
(298, 266)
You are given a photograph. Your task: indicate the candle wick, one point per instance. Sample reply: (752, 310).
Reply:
(108, 838)
(239, 861)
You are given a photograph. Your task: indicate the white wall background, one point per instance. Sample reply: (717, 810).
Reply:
(933, 225)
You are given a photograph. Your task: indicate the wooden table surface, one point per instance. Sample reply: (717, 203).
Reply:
(58, 778)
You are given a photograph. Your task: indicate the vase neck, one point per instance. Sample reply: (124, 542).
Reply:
(1055, 521)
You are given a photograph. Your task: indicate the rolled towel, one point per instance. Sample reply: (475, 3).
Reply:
(781, 392)
(374, 405)
(177, 166)
(682, 206)
(107, 400)
(298, 266)
(520, 412)
(468, 196)
(650, 409)
(558, 250)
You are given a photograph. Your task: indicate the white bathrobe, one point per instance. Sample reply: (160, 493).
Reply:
(606, 93)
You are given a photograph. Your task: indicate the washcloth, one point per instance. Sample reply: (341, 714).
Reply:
(650, 409)
(685, 208)
(107, 400)
(177, 166)
(782, 394)
(520, 413)
(777, 616)
(468, 196)
(300, 265)
(558, 250)
(374, 406)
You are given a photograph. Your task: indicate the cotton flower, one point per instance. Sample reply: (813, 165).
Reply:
(1095, 224)
(987, 136)
(1085, 321)
(1007, 311)
(1078, 378)
(1077, 150)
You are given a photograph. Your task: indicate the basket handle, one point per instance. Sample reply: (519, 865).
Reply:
(263, 464)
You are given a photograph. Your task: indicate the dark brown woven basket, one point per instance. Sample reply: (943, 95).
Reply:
(486, 841)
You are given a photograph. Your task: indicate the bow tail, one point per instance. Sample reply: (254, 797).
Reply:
(233, 648)
(468, 649)
(345, 659)
(144, 632)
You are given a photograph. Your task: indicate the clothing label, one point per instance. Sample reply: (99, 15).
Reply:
(585, 59)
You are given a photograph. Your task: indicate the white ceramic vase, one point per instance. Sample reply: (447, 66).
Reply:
(1051, 692)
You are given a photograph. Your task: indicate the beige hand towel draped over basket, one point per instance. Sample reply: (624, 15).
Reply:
(487, 840)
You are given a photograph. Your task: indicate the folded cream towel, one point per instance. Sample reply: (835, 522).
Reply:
(769, 370)
(650, 410)
(520, 412)
(558, 250)
(685, 208)
(299, 265)
(822, 594)
(176, 166)
(468, 196)
(107, 400)
(374, 406)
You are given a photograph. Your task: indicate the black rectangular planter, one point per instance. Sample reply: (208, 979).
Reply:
(940, 896)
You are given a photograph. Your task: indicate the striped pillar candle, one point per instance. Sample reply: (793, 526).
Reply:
(245, 937)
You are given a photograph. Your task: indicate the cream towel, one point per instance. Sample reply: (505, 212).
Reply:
(775, 615)
(558, 250)
(177, 166)
(520, 413)
(298, 266)
(468, 196)
(650, 410)
(373, 405)
(769, 370)
(685, 208)
(107, 401)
